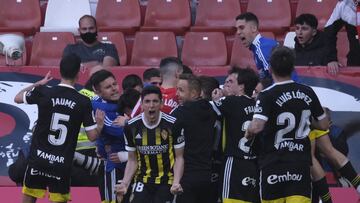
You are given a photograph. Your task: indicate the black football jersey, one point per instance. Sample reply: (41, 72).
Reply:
(237, 112)
(288, 108)
(62, 110)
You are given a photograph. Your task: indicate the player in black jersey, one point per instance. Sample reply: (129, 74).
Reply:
(195, 119)
(240, 178)
(61, 111)
(283, 114)
(155, 154)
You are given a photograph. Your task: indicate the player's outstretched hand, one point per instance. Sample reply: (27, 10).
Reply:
(176, 189)
(45, 80)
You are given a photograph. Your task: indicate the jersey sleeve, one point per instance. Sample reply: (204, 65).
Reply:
(316, 109)
(89, 117)
(178, 131)
(34, 96)
(262, 107)
(220, 105)
(129, 141)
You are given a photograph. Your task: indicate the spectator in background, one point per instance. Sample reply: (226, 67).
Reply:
(247, 28)
(132, 81)
(344, 14)
(151, 76)
(311, 46)
(91, 51)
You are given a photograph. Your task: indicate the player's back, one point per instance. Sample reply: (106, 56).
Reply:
(237, 112)
(288, 107)
(61, 111)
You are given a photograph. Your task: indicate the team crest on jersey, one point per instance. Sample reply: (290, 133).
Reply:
(164, 134)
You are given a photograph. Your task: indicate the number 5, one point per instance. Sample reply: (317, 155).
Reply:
(55, 126)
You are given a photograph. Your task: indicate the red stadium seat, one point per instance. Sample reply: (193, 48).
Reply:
(48, 47)
(204, 49)
(322, 9)
(241, 56)
(115, 15)
(118, 39)
(342, 46)
(20, 16)
(150, 47)
(167, 15)
(273, 15)
(216, 15)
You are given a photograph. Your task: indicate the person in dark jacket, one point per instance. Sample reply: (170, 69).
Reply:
(310, 44)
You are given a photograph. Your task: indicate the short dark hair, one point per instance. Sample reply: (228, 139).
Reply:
(70, 66)
(151, 72)
(88, 16)
(308, 19)
(131, 81)
(249, 78)
(128, 99)
(248, 16)
(151, 90)
(166, 65)
(187, 70)
(282, 61)
(193, 81)
(100, 76)
(208, 84)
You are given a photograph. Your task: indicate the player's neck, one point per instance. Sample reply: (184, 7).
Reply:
(278, 79)
(68, 82)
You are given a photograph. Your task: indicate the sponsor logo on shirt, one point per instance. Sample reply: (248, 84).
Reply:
(50, 157)
(249, 181)
(273, 179)
(153, 149)
(35, 172)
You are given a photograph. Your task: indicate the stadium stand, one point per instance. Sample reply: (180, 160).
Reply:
(167, 15)
(204, 49)
(20, 16)
(150, 47)
(115, 15)
(63, 16)
(242, 56)
(47, 47)
(118, 39)
(274, 15)
(322, 9)
(216, 15)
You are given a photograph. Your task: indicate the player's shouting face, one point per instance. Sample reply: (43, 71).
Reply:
(151, 105)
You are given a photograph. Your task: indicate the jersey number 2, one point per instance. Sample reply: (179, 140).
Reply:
(57, 126)
(301, 132)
